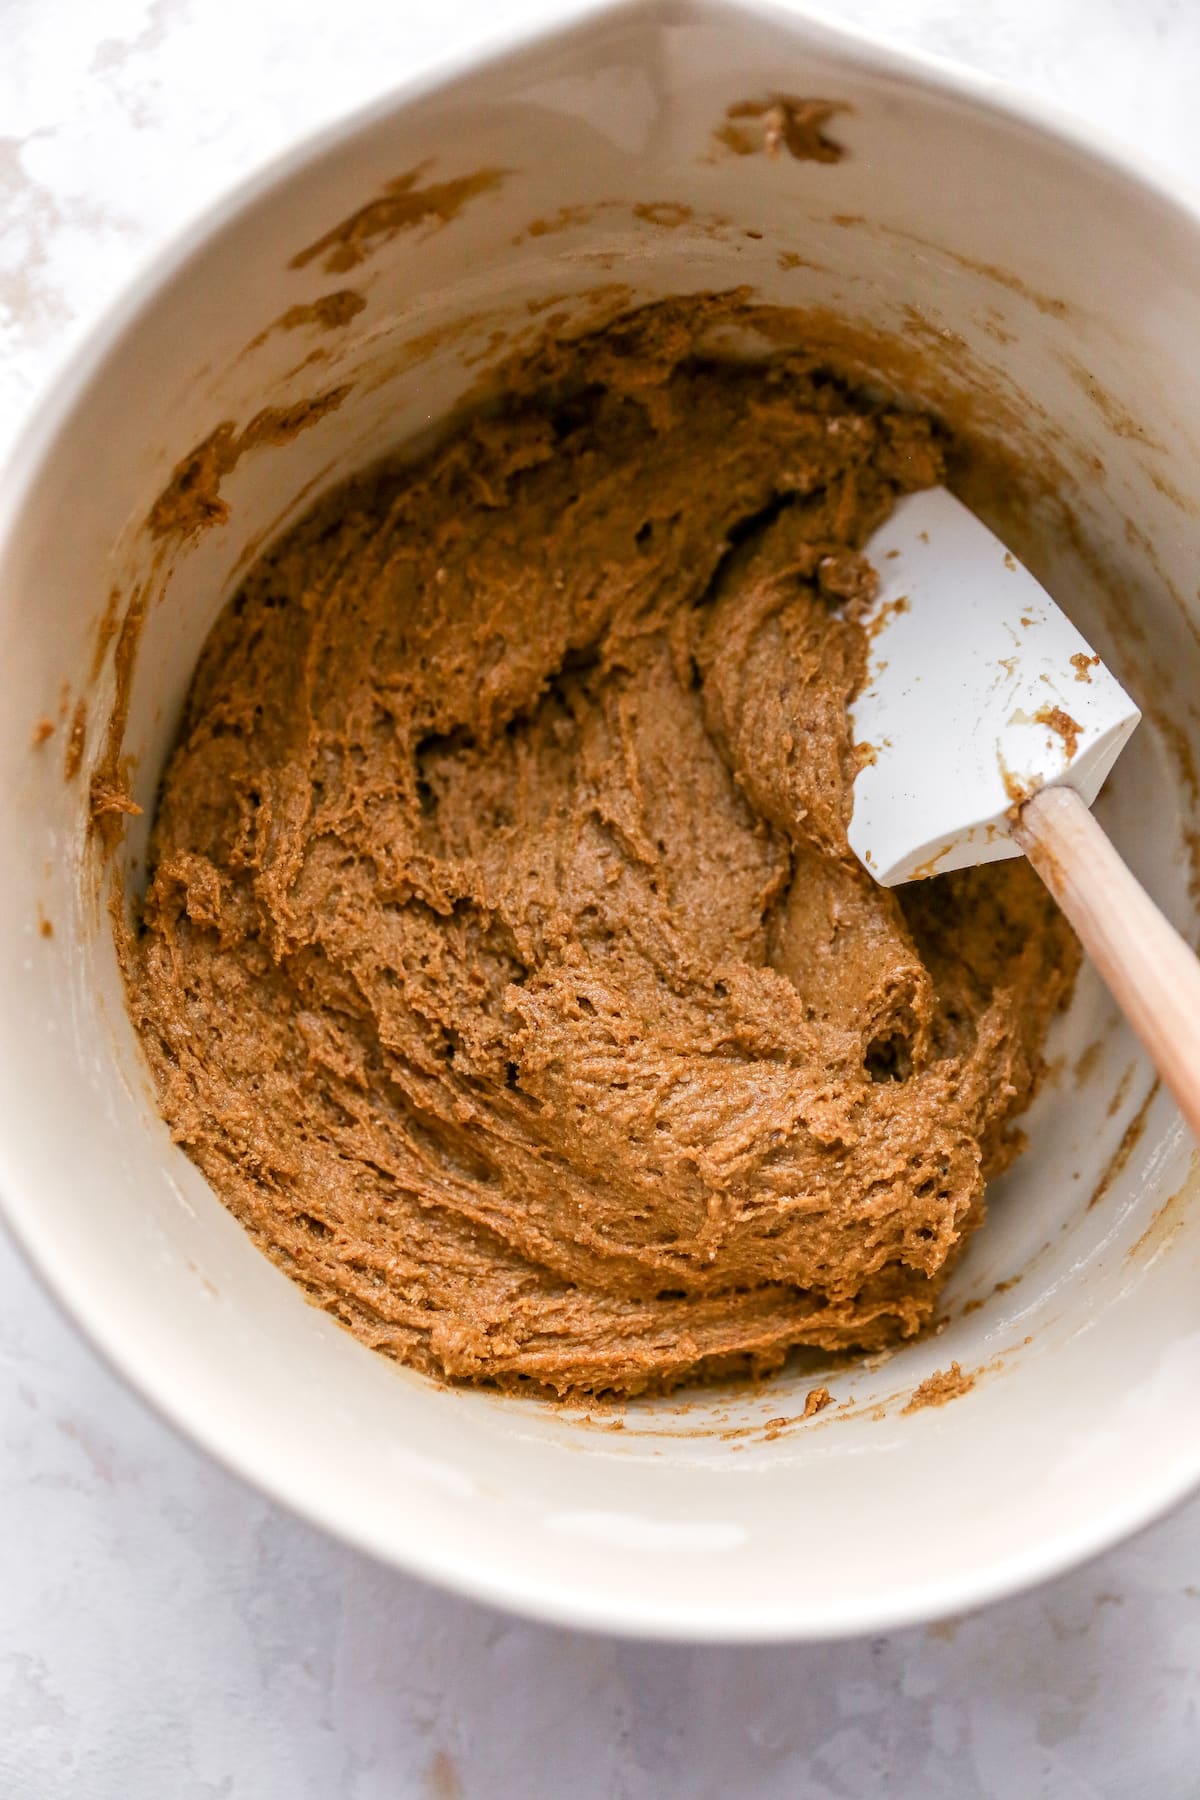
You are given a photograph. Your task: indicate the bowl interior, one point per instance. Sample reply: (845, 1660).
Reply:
(1045, 302)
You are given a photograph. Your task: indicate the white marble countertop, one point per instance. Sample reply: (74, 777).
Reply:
(166, 1634)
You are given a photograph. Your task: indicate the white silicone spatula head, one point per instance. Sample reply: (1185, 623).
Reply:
(991, 725)
(979, 692)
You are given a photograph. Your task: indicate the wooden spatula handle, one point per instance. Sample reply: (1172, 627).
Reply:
(1151, 973)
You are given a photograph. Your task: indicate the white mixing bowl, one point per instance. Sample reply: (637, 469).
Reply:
(1028, 280)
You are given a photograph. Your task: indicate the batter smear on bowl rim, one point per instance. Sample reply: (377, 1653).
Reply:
(503, 964)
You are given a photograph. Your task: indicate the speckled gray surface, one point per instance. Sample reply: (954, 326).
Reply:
(166, 1635)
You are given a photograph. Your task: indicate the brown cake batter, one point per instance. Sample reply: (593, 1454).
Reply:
(503, 964)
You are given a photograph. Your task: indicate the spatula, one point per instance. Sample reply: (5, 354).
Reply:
(987, 726)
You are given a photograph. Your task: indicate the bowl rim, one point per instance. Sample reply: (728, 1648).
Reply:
(465, 1573)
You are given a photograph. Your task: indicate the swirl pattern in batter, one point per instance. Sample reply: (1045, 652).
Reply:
(503, 964)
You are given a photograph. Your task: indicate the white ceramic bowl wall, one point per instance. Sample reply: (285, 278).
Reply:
(1043, 292)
